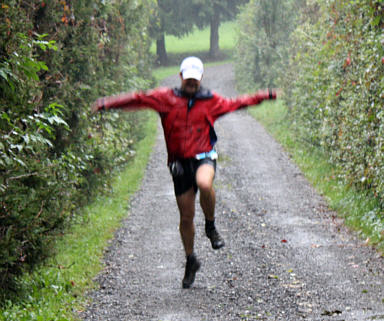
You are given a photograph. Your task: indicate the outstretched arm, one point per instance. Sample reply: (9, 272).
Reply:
(226, 105)
(130, 101)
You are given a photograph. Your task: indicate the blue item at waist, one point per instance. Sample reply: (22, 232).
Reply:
(212, 155)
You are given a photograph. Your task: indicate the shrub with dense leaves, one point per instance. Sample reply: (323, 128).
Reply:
(335, 87)
(56, 58)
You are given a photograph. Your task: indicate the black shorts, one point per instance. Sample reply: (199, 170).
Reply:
(183, 182)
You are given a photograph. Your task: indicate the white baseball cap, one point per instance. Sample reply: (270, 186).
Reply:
(192, 67)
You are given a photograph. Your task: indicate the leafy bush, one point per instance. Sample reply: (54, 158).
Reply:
(335, 87)
(56, 58)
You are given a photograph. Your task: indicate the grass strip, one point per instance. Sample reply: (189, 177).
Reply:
(360, 210)
(56, 290)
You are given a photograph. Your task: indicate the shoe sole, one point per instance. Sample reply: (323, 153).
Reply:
(217, 247)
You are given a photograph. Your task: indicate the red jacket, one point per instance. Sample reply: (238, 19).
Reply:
(187, 123)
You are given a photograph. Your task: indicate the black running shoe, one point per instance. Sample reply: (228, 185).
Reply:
(191, 267)
(215, 238)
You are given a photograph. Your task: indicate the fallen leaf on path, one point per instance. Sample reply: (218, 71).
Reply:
(331, 313)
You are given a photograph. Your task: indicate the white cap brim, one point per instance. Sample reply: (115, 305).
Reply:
(192, 74)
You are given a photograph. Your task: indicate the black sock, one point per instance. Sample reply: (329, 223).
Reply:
(209, 225)
(191, 257)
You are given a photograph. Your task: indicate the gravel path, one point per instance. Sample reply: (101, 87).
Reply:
(286, 257)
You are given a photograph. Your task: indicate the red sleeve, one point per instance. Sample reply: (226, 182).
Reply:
(154, 99)
(223, 105)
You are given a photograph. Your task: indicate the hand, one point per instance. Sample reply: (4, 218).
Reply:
(276, 92)
(97, 105)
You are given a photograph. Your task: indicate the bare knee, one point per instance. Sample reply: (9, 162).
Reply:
(204, 185)
(204, 178)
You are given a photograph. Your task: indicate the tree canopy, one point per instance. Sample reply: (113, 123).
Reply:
(170, 17)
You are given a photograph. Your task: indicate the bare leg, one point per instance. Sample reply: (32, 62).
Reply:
(204, 179)
(186, 204)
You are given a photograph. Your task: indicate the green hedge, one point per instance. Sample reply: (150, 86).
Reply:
(335, 87)
(56, 58)
(328, 56)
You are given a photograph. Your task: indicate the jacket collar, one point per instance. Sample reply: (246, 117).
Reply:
(203, 93)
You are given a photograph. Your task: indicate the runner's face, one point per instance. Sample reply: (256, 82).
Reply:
(190, 86)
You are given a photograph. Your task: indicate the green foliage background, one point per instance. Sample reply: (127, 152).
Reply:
(262, 49)
(335, 88)
(56, 58)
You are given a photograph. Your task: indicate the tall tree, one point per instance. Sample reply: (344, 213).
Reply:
(212, 13)
(172, 17)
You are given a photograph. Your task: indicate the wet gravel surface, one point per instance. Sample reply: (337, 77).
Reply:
(287, 257)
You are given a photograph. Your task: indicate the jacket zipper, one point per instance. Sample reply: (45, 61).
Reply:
(186, 124)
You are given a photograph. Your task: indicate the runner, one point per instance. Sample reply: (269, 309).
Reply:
(188, 114)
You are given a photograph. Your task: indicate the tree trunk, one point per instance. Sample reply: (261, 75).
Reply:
(161, 50)
(214, 37)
